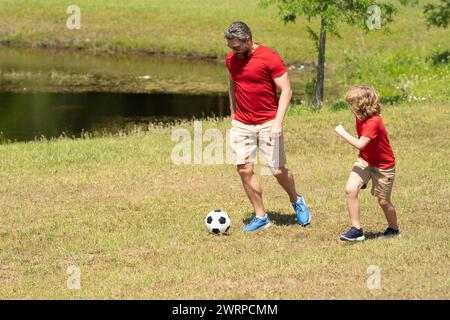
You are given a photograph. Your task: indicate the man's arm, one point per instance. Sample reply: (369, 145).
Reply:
(283, 84)
(232, 97)
(359, 144)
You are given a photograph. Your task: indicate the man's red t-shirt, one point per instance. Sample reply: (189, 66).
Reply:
(255, 90)
(378, 152)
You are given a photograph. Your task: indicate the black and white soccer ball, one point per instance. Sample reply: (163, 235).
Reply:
(217, 222)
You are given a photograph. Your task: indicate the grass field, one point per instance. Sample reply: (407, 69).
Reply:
(132, 221)
(196, 28)
(395, 60)
(121, 211)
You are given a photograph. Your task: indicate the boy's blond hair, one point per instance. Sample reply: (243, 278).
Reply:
(363, 100)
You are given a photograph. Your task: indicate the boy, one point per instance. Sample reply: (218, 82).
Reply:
(376, 161)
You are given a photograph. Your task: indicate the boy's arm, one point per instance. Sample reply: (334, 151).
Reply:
(232, 97)
(359, 144)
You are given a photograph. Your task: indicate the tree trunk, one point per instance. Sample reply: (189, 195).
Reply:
(320, 77)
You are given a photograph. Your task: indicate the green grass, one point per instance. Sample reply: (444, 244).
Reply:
(393, 60)
(196, 27)
(132, 221)
(118, 208)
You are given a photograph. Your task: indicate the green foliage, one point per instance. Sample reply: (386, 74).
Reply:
(409, 3)
(333, 12)
(439, 57)
(313, 36)
(398, 76)
(309, 88)
(4, 140)
(438, 15)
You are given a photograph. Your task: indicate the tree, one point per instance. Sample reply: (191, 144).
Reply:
(362, 13)
(438, 14)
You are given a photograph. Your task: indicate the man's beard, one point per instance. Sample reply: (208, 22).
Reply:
(244, 55)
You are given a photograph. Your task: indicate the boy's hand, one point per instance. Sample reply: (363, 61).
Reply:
(340, 129)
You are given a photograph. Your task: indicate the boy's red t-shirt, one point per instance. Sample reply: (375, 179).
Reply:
(378, 152)
(255, 90)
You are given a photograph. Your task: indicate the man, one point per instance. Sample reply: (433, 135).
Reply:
(256, 72)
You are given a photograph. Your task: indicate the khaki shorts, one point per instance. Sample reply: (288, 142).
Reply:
(245, 138)
(382, 179)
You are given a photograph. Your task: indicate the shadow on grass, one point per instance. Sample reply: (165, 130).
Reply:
(278, 218)
(368, 236)
(373, 235)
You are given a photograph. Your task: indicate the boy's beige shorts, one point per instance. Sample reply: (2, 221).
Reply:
(382, 179)
(246, 138)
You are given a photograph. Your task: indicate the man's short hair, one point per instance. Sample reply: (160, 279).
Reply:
(238, 30)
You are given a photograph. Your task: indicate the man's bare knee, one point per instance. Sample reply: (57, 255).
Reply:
(277, 172)
(245, 170)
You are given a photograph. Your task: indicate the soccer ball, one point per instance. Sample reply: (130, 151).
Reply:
(217, 222)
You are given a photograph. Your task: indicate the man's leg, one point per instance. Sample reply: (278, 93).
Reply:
(286, 179)
(272, 151)
(252, 188)
(244, 144)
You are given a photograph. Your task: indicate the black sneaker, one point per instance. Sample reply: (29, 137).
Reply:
(390, 233)
(354, 234)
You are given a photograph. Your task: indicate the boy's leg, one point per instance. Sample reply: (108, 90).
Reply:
(382, 183)
(354, 184)
(359, 177)
(389, 212)
(252, 188)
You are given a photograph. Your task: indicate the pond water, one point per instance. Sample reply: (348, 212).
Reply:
(24, 116)
(48, 92)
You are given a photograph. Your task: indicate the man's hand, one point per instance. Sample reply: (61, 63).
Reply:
(340, 130)
(282, 83)
(276, 131)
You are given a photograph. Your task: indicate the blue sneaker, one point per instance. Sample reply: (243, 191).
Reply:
(257, 224)
(302, 211)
